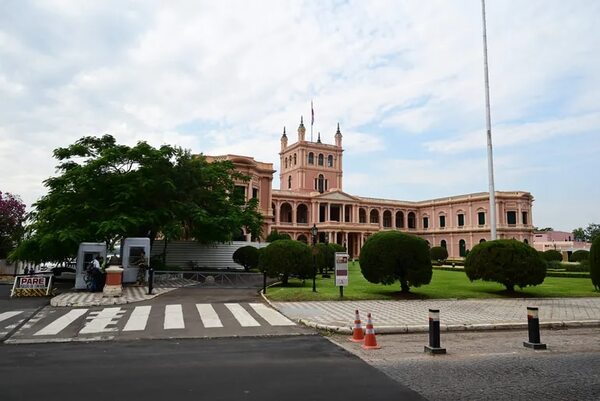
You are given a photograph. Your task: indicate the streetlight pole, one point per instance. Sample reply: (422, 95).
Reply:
(314, 231)
(489, 130)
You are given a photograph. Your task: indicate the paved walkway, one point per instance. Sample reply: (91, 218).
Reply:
(412, 316)
(130, 294)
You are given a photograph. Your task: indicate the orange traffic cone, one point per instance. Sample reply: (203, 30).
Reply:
(370, 341)
(357, 332)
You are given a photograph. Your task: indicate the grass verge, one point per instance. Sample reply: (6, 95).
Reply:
(444, 284)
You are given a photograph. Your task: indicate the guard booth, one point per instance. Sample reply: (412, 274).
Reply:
(85, 255)
(131, 250)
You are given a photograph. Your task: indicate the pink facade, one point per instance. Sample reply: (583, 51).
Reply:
(311, 192)
(562, 241)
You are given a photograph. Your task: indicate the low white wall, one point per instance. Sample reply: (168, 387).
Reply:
(186, 254)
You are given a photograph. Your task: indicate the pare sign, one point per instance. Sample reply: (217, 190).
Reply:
(32, 281)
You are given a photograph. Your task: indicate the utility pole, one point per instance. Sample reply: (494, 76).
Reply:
(489, 131)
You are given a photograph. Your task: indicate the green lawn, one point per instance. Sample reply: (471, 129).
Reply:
(444, 284)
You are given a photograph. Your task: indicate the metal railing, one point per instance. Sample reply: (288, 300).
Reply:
(212, 279)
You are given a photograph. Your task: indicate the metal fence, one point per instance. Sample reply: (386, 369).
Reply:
(208, 279)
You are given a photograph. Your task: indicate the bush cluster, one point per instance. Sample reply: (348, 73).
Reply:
(508, 262)
(246, 256)
(580, 255)
(285, 258)
(438, 254)
(391, 255)
(595, 262)
(325, 255)
(552, 255)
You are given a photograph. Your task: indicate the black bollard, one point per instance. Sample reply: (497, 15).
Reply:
(150, 280)
(533, 327)
(264, 282)
(434, 333)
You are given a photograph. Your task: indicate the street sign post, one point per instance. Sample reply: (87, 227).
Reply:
(341, 271)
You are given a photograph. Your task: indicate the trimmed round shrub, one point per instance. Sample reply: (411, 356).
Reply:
(506, 261)
(552, 255)
(325, 255)
(595, 262)
(246, 256)
(285, 258)
(391, 255)
(438, 253)
(580, 255)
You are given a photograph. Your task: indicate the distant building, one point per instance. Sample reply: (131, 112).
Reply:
(311, 192)
(561, 241)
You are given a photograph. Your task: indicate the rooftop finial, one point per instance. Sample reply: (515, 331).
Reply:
(319, 137)
(338, 129)
(284, 131)
(301, 121)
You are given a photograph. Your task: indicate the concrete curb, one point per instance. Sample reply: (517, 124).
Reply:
(401, 329)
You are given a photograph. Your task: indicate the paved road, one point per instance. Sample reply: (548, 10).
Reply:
(188, 313)
(492, 365)
(282, 368)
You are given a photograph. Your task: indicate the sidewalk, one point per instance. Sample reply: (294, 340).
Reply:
(130, 294)
(455, 315)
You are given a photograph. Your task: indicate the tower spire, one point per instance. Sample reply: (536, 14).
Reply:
(301, 130)
(338, 137)
(319, 137)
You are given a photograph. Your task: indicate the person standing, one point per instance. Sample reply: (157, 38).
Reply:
(142, 265)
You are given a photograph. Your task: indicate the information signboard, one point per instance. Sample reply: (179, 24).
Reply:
(341, 269)
(32, 286)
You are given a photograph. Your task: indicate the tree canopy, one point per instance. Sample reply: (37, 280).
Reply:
(587, 234)
(12, 217)
(105, 191)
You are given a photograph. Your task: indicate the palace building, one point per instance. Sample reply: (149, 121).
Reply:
(311, 192)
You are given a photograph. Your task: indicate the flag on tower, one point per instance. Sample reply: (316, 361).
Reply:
(312, 113)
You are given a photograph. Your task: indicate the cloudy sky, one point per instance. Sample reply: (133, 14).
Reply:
(403, 78)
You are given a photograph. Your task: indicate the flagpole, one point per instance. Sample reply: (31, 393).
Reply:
(489, 131)
(312, 119)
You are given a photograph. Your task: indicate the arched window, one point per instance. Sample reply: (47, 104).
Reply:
(362, 215)
(320, 159)
(302, 238)
(443, 243)
(481, 241)
(374, 216)
(302, 214)
(525, 241)
(412, 221)
(330, 161)
(294, 159)
(285, 213)
(462, 248)
(285, 162)
(399, 219)
(289, 181)
(311, 158)
(321, 183)
(387, 219)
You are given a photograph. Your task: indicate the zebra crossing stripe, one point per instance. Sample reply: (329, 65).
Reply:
(273, 317)
(242, 316)
(209, 316)
(8, 315)
(173, 317)
(99, 323)
(138, 319)
(61, 323)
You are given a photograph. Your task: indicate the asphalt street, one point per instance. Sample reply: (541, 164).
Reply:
(280, 368)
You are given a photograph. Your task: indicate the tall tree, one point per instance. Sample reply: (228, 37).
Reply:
(588, 234)
(106, 191)
(12, 217)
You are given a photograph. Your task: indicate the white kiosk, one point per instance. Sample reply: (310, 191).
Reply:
(131, 249)
(86, 253)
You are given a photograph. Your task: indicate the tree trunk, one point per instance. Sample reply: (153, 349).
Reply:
(284, 280)
(404, 286)
(510, 287)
